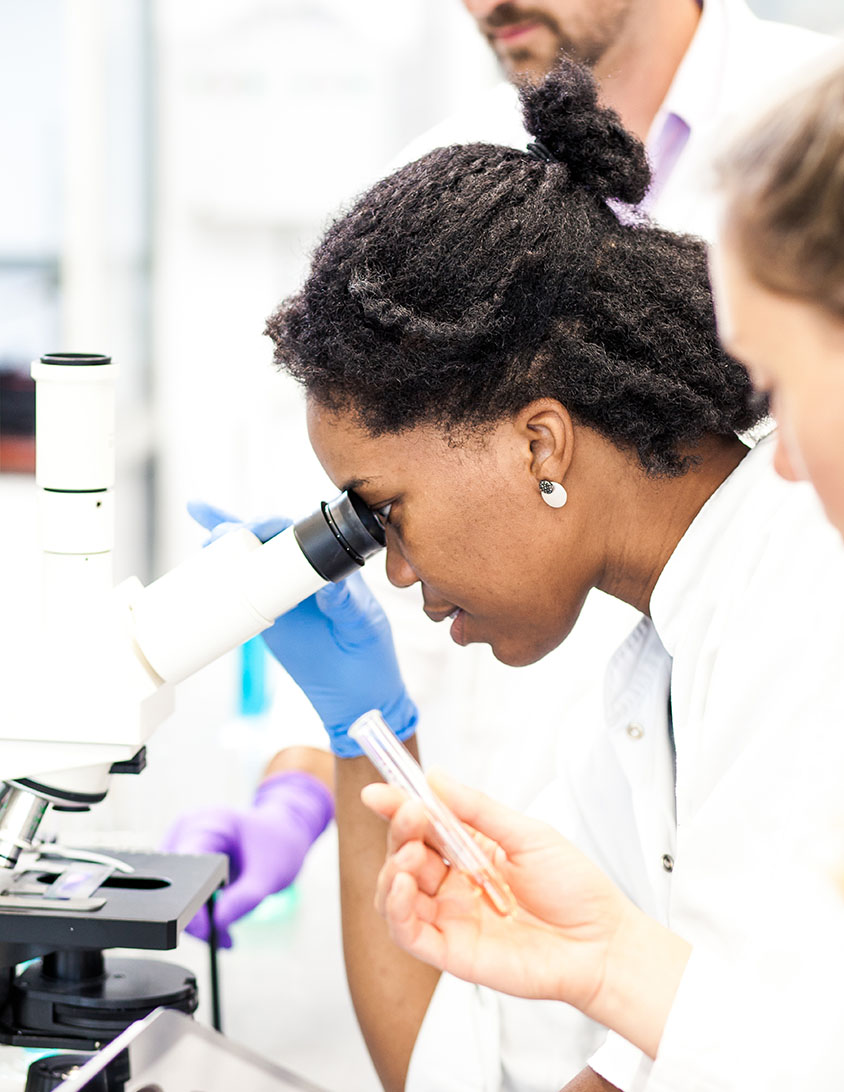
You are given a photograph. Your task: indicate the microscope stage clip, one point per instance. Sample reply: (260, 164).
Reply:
(89, 856)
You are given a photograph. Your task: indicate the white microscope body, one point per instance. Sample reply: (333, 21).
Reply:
(102, 678)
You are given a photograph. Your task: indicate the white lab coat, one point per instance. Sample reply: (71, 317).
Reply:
(747, 624)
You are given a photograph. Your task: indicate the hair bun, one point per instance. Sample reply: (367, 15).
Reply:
(590, 140)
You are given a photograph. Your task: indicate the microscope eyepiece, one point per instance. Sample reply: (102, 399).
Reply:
(87, 359)
(339, 537)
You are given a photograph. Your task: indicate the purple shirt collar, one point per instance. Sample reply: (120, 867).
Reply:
(692, 97)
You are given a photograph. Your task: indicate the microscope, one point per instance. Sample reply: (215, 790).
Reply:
(98, 681)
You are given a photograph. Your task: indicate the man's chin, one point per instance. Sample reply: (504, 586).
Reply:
(524, 69)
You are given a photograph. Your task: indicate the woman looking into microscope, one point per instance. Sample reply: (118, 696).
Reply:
(525, 385)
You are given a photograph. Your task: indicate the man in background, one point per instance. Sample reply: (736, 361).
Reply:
(678, 73)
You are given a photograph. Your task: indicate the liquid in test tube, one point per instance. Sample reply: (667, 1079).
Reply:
(398, 767)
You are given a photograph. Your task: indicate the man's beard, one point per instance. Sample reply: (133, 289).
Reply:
(586, 44)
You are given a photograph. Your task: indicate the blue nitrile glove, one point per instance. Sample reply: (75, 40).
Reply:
(336, 645)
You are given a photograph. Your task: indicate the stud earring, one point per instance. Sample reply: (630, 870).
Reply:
(553, 493)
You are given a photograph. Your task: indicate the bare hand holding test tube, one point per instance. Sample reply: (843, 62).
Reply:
(397, 766)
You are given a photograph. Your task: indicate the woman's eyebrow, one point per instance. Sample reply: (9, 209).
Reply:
(354, 483)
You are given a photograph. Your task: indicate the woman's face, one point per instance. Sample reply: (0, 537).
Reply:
(468, 524)
(795, 352)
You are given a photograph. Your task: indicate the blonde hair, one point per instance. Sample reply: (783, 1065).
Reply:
(784, 187)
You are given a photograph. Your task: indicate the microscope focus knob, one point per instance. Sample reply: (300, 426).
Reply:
(48, 1073)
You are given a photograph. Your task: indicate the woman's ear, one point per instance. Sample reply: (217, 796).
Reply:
(549, 431)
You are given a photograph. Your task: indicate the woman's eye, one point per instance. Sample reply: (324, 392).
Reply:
(382, 514)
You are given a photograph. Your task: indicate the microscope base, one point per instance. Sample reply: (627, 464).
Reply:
(92, 1008)
(72, 998)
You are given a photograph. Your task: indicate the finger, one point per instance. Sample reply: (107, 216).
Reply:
(201, 929)
(383, 883)
(415, 859)
(208, 515)
(409, 915)
(209, 830)
(432, 873)
(395, 862)
(349, 601)
(509, 829)
(409, 823)
(196, 843)
(423, 863)
(234, 902)
(384, 800)
(199, 926)
(224, 939)
(334, 597)
(268, 528)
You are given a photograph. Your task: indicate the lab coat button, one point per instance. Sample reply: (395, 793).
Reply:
(668, 862)
(635, 731)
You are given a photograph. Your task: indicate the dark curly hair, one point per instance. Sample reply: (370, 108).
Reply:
(480, 278)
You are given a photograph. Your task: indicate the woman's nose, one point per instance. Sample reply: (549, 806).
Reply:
(783, 462)
(399, 571)
(788, 460)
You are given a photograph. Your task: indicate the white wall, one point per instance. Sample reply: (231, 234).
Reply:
(825, 15)
(270, 116)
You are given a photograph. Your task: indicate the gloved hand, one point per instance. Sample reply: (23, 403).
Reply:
(265, 843)
(337, 646)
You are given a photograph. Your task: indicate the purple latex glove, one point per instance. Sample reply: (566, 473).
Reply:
(265, 844)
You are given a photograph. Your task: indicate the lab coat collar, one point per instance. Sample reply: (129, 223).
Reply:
(695, 571)
(700, 86)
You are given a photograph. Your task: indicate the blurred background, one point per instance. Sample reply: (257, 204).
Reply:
(168, 166)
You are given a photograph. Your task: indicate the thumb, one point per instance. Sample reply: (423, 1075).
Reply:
(235, 901)
(208, 515)
(200, 928)
(334, 599)
(349, 601)
(268, 528)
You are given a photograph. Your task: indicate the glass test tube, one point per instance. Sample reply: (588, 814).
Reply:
(396, 764)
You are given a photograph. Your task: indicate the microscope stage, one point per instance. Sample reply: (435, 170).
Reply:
(147, 908)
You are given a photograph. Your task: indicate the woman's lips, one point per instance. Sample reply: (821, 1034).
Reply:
(458, 627)
(458, 622)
